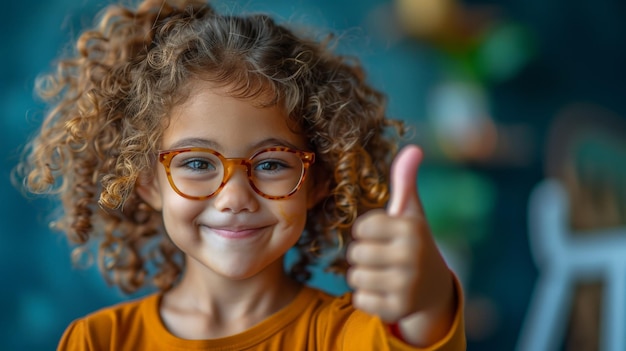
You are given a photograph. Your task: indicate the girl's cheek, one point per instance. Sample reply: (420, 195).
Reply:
(182, 208)
(291, 215)
(286, 215)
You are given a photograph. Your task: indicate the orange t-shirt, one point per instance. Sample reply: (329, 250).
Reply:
(314, 320)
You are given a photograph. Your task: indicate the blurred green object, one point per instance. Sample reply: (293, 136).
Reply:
(504, 50)
(498, 54)
(458, 203)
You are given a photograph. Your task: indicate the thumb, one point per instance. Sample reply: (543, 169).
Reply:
(404, 201)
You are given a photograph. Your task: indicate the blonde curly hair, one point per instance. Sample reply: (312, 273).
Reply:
(108, 103)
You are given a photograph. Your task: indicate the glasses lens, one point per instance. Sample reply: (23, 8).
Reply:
(197, 173)
(276, 173)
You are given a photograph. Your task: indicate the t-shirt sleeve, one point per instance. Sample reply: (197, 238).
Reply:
(454, 339)
(92, 332)
(364, 332)
(74, 338)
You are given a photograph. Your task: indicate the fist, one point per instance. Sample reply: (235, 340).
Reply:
(396, 267)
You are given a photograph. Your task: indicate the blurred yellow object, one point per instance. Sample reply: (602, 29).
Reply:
(426, 18)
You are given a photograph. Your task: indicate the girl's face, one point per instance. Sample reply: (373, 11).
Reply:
(236, 233)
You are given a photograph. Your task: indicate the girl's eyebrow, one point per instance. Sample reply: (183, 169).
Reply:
(194, 142)
(274, 142)
(207, 143)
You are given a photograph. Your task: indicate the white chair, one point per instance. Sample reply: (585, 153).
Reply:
(562, 260)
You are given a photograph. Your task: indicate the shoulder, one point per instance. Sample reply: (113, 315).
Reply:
(323, 302)
(121, 313)
(331, 305)
(98, 329)
(335, 324)
(317, 309)
(333, 313)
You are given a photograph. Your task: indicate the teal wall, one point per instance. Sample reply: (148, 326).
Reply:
(579, 48)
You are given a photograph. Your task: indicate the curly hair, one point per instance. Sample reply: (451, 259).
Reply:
(109, 100)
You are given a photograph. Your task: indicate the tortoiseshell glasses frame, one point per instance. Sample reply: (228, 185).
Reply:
(200, 173)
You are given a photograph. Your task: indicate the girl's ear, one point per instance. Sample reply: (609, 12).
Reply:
(147, 188)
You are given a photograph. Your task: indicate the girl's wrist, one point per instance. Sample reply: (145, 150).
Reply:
(394, 330)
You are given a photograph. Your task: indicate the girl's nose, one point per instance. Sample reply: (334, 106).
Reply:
(237, 194)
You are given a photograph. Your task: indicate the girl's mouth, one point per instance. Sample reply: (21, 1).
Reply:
(236, 233)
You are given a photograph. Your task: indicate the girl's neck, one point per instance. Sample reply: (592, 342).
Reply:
(205, 305)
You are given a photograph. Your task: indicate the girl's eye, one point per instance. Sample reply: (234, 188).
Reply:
(198, 165)
(267, 166)
(270, 166)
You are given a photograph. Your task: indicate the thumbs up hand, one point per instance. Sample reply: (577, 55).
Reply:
(397, 271)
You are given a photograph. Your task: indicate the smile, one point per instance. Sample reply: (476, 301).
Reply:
(237, 233)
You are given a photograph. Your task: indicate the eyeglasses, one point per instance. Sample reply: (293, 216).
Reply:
(198, 173)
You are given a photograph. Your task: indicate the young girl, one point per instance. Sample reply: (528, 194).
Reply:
(196, 149)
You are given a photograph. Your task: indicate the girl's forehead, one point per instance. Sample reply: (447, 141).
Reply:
(213, 114)
(247, 87)
(196, 90)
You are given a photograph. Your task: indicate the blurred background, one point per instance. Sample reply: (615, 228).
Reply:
(520, 106)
